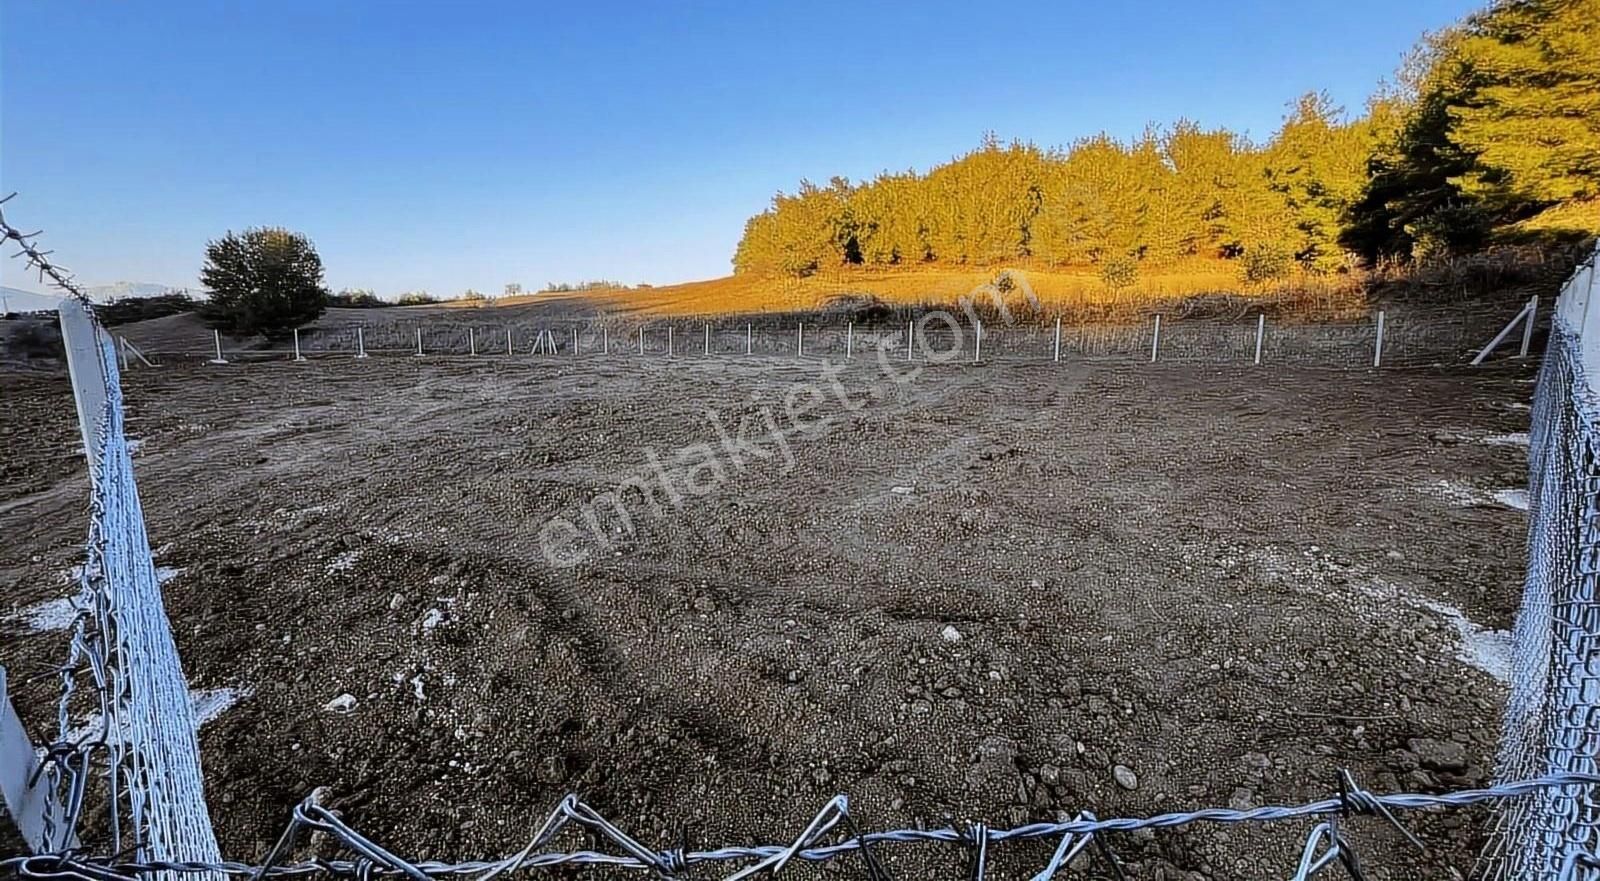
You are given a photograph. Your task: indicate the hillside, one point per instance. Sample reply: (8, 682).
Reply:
(1058, 290)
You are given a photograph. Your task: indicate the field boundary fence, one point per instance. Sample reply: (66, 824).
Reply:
(1386, 339)
(1552, 716)
(139, 753)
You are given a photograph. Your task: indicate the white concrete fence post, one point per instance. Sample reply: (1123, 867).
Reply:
(605, 340)
(708, 338)
(297, 355)
(1155, 342)
(849, 340)
(1377, 346)
(509, 350)
(747, 340)
(977, 341)
(1527, 329)
(911, 336)
(800, 340)
(472, 341)
(216, 338)
(669, 341)
(361, 342)
(419, 341)
(641, 339)
(1261, 334)
(1058, 338)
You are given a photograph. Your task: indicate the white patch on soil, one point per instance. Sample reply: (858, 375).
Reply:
(1488, 650)
(1511, 439)
(1512, 498)
(48, 616)
(1479, 647)
(207, 704)
(1462, 496)
(344, 562)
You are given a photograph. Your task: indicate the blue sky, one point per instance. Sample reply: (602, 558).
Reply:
(446, 146)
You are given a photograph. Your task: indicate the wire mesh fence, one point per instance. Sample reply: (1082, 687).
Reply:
(1406, 339)
(1552, 717)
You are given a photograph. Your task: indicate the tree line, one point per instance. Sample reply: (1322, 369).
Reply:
(1492, 127)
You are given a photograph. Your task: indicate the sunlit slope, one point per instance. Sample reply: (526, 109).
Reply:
(742, 294)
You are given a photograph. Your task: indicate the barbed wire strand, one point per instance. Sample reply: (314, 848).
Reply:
(39, 260)
(372, 860)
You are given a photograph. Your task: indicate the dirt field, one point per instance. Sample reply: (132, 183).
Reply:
(978, 593)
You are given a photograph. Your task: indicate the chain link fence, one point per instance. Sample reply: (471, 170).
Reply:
(1552, 716)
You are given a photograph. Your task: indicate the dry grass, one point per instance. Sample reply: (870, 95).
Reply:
(1074, 293)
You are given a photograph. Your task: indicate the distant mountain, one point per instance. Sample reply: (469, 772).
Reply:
(124, 290)
(26, 301)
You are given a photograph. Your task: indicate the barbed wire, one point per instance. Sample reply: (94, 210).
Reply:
(37, 259)
(1325, 845)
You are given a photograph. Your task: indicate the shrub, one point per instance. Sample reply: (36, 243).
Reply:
(141, 308)
(1120, 273)
(355, 298)
(416, 298)
(266, 281)
(1265, 263)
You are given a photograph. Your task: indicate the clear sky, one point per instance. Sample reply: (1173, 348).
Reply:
(442, 146)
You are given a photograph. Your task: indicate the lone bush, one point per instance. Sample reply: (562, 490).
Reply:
(1120, 273)
(356, 298)
(1265, 263)
(264, 281)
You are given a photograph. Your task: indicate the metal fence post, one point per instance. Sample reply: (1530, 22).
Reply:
(1527, 329)
(1377, 348)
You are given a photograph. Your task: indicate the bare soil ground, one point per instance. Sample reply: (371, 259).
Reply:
(972, 595)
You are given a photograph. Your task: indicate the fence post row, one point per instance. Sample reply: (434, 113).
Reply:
(544, 342)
